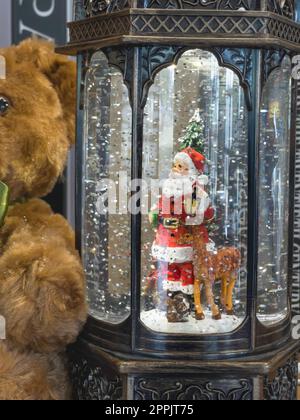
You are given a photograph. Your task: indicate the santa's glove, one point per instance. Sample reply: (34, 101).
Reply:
(153, 219)
(195, 220)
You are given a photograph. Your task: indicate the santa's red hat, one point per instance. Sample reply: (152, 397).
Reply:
(195, 160)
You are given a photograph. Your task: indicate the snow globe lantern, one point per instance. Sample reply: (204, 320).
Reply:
(185, 168)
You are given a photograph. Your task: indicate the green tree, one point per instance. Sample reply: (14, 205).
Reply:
(194, 134)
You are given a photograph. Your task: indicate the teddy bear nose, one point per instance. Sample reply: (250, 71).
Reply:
(4, 105)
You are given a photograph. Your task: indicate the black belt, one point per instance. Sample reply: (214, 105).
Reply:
(171, 223)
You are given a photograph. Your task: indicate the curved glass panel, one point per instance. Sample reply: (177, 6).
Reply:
(194, 240)
(274, 196)
(106, 225)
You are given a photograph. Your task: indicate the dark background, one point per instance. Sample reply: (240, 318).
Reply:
(45, 18)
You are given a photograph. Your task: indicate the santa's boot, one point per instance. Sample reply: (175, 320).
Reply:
(178, 307)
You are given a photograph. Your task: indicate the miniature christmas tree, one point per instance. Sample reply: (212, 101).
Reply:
(194, 137)
(194, 134)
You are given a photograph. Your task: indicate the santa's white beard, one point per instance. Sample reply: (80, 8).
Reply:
(176, 175)
(178, 185)
(192, 175)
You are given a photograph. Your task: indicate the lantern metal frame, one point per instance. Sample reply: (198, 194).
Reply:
(140, 38)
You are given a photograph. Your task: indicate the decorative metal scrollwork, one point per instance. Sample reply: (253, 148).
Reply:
(193, 390)
(154, 59)
(282, 7)
(175, 25)
(284, 386)
(272, 59)
(92, 384)
(212, 4)
(91, 8)
(96, 7)
(240, 61)
(116, 5)
(122, 58)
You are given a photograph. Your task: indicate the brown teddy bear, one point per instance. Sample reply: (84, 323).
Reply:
(42, 288)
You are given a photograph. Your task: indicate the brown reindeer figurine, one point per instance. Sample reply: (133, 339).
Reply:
(210, 267)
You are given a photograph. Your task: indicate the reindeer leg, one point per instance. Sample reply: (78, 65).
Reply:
(229, 298)
(224, 291)
(198, 307)
(216, 314)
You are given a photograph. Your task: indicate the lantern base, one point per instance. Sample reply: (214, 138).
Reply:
(99, 375)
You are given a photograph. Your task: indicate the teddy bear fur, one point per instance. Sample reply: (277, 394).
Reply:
(42, 287)
(30, 376)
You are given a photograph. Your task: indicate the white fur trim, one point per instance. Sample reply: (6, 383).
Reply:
(176, 286)
(177, 255)
(203, 180)
(204, 203)
(195, 220)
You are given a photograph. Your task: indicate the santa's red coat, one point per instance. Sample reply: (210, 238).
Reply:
(175, 259)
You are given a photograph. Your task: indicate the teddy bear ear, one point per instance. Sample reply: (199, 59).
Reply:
(62, 75)
(59, 70)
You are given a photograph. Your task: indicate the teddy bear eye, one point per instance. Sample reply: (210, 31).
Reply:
(4, 105)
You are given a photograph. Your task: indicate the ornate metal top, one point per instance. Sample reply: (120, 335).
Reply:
(204, 4)
(221, 23)
(281, 7)
(96, 7)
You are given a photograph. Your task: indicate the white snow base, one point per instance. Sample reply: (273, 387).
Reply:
(156, 320)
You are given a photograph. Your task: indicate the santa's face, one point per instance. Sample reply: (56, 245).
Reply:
(180, 168)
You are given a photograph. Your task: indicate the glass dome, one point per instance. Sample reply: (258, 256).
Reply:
(184, 224)
(106, 228)
(197, 98)
(274, 187)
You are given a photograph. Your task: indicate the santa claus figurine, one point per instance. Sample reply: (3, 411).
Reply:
(183, 203)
